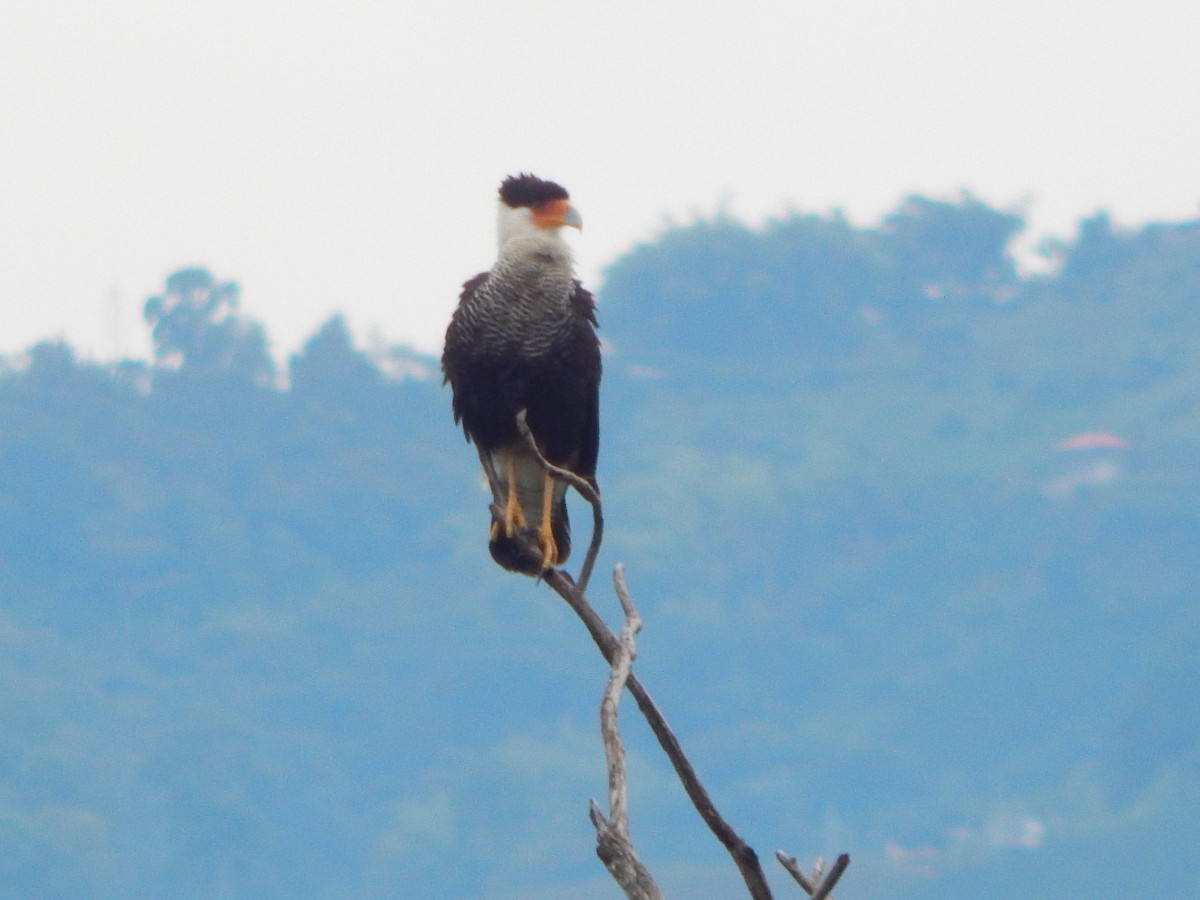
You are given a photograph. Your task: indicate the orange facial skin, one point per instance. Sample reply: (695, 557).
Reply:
(556, 214)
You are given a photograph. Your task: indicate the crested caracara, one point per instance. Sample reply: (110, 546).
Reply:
(524, 337)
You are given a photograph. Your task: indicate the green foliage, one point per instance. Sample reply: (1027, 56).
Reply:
(330, 367)
(196, 330)
(960, 249)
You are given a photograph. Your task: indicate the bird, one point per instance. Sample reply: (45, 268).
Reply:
(524, 337)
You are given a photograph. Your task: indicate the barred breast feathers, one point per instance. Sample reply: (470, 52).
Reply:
(527, 294)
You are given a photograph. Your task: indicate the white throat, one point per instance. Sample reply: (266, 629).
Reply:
(517, 236)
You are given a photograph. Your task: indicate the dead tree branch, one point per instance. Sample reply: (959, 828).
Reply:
(614, 752)
(743, 855)
(814, 885)
(808, 882)
(613, 844)
(572, 592)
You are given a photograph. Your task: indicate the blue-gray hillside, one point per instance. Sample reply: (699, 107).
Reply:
(915, 539)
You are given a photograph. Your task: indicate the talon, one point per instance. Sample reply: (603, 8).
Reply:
(548, 547)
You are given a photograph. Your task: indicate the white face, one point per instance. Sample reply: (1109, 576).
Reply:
(517, 233)
(512, 223)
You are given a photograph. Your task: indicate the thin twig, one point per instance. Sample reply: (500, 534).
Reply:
(793, 869)
(823, 889)
(623, 661)
(585, 489)
(818, 870)
(613, 844)
(816, 887)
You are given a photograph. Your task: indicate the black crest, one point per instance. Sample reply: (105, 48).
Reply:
(529, 190)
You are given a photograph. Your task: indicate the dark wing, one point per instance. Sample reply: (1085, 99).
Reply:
(584, 306)
(491, 380)
(460, 369)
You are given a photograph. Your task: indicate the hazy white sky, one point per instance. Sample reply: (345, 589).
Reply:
(344, 156)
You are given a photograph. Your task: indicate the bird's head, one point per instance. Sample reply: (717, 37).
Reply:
(531, 207)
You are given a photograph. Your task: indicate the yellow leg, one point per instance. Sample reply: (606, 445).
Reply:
(545, 532)
(514, 516)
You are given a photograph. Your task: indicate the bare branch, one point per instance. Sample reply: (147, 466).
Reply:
(566, 587)
(743, 855)
(613, 844)
(622, 662)
(618, 857)
(793, 868)
(818, 870)
(831, 879)
(585, 490)
(813, 884)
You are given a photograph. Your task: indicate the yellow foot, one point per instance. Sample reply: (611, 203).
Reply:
(548, 547)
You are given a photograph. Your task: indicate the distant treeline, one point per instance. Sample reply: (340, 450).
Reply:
(929, 523)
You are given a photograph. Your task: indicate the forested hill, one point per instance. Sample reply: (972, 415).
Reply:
(915, 539)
